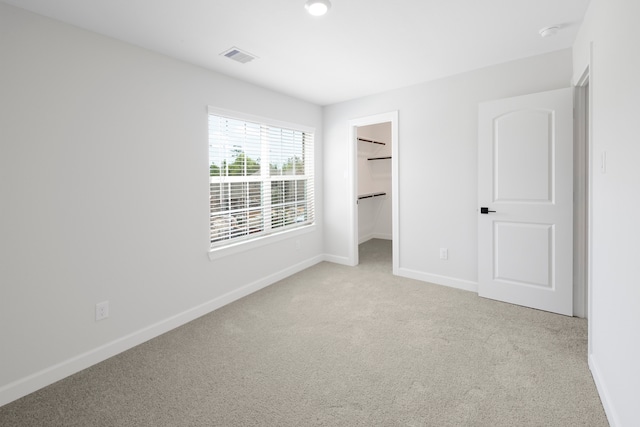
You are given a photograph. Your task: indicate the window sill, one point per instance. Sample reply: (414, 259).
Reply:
(239, 247)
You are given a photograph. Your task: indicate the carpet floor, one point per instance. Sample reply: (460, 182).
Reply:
(339, 346)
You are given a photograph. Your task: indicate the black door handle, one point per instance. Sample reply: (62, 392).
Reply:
(485, 210)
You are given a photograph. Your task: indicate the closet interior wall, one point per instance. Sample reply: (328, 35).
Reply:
(374, 177)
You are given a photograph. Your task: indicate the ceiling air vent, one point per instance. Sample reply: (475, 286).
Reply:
(238, 55)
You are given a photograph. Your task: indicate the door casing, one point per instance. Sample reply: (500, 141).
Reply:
(582, 188)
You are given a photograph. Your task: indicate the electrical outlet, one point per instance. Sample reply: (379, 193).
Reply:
(444, 253)
(102, 310)
(298, 244)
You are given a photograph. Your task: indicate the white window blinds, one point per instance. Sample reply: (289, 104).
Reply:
(261, 179)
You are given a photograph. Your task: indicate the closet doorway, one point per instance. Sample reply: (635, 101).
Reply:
(373, 176)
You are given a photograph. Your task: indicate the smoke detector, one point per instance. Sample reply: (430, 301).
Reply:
(549, 31)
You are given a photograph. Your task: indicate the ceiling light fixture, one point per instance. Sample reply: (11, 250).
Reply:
(317, 7)
(549, 31)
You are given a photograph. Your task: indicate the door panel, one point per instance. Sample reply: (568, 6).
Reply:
(513, 261)
(525, 164)
(526, 156)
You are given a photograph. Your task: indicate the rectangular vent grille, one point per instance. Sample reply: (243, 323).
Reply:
(238, 55)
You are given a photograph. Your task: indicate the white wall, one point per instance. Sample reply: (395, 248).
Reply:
(104, 196)
(437, 166)
(374, 176)
(611, 26)
(103, 191)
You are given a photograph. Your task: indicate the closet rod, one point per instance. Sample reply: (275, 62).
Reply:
(367, 196)
(371, 141)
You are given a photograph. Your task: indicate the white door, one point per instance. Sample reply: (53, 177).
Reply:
(525, 185)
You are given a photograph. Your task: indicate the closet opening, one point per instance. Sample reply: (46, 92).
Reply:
(374, 204)
(373, 185)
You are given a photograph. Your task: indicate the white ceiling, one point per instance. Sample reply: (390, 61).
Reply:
(359, 48)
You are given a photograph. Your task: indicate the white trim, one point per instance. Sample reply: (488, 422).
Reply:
(395, 192)
(583, 135)
(43, 378)
(436, 279)
(587, 78)
(612, 415)
(352, 180)
(231, 114)
(337, 259)
(590, 210)
(352, 174)
(245, 245)
(374, 236)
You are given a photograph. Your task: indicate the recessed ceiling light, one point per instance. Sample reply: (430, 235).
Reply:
(549, 31)
(317, 7)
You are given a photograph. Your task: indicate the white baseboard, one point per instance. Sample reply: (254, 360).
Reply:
(451, 282)
(43, 378)
(338, 260)
(362, 239)
(374, 236)
(609, 410)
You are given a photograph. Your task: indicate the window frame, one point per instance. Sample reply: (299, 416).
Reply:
(240, 245)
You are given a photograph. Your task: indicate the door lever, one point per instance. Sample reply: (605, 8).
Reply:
(485, 210)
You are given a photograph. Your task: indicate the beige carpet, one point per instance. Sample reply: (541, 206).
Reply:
(339, 346)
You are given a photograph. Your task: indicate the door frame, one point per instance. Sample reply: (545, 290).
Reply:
(582, 185)
(392, 117)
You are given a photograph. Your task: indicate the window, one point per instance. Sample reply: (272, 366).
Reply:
(260, 178)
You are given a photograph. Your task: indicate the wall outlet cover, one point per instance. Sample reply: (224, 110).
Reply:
(102, 310)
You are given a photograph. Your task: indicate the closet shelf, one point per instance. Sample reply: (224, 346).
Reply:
(379, 158)
(371, 141)
(370, 195)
